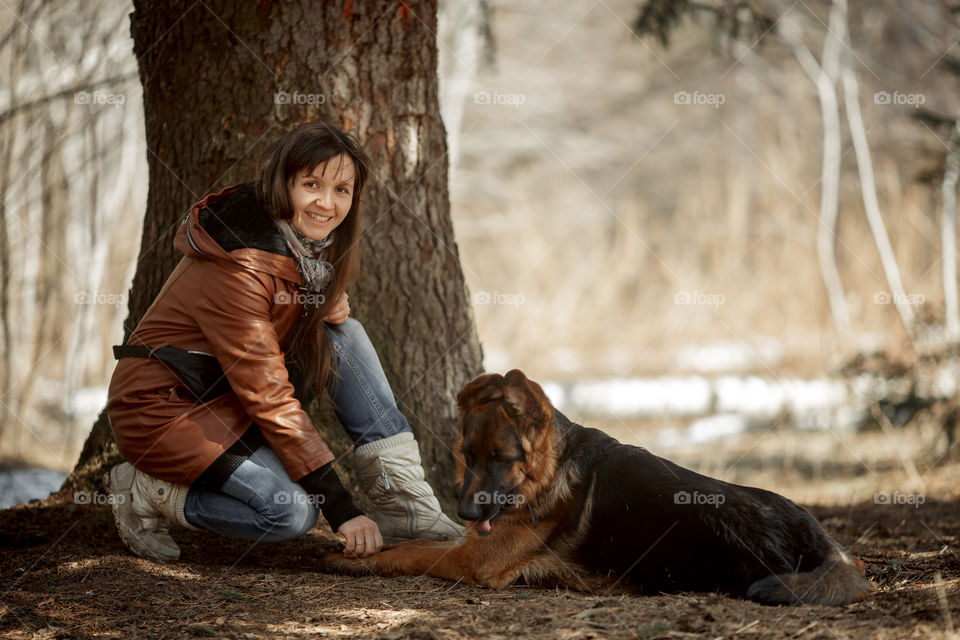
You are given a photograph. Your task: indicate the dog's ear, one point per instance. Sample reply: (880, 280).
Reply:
(515, 391)
(526, 397)
(481, 390)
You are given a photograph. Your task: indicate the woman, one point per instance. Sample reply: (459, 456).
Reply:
(207, 400)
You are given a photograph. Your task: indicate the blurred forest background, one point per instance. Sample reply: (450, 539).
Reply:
(690, 220)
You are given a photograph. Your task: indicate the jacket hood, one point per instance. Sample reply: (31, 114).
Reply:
(233, 226)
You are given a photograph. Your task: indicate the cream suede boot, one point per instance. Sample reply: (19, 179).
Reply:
(143, 508)
(405, 507)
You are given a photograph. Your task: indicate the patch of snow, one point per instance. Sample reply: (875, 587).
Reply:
(556, 393)
(88, 401)
(725, 405)
(752, 395)
(945, 384)
(714, 427)
(764, 398)
(18, 486)
(684, 396)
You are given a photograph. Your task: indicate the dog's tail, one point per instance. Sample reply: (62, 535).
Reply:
(838, 580)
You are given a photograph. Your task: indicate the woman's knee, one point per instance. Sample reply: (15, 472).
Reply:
(352, 343)
(350, 331)
(288, 514)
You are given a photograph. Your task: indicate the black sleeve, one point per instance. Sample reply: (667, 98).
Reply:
(334, 500)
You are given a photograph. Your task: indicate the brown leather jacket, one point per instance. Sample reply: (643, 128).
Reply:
(238, 303)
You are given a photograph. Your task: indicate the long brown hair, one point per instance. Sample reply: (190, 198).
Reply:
(301, 149)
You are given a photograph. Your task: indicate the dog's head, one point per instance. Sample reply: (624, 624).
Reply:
(506, 446)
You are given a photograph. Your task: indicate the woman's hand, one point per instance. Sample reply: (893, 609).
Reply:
(340, 311)
(362, 537)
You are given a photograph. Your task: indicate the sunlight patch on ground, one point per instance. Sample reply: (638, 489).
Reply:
(371, 619)
(179, 572)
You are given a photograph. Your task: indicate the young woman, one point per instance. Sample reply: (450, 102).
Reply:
(207, 400)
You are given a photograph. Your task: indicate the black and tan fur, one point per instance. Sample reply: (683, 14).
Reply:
(578, 508)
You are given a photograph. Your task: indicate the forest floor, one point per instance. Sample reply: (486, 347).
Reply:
(64, 573)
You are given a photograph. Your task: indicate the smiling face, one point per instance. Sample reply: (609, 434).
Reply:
(321, 197)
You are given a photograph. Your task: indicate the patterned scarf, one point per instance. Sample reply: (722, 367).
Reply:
(309, 257)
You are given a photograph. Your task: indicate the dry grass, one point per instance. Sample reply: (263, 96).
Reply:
(598, 200)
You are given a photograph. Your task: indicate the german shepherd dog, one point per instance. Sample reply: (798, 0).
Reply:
(551, 502)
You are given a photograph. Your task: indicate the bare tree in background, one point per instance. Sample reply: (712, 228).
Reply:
(69, 170)
(948, 234)
(464, 32)
(222, 80)
(824, 77)
(861, 146)
(736, 19)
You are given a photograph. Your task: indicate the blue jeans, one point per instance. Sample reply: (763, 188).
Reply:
(364, 402)
(259, 501)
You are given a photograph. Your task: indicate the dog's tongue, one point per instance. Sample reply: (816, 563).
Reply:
(483, 528)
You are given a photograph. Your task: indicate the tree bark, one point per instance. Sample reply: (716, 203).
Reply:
(212, 73)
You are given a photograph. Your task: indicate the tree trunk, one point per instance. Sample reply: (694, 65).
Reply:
(868, 189)
(461, 25)
(948, 236)
(823, 76)
(213, 82)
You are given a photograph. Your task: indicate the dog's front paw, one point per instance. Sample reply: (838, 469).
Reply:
(339, 563)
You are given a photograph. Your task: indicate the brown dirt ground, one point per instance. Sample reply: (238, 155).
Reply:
(64, 573)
